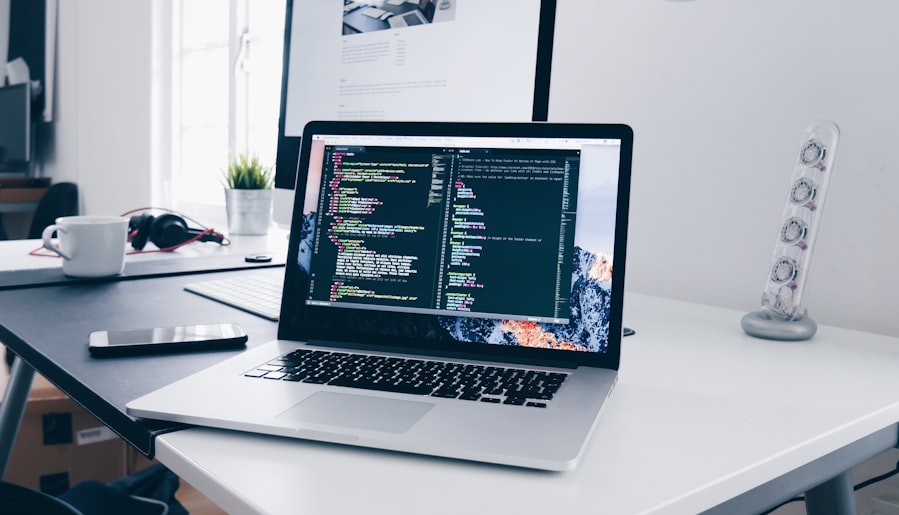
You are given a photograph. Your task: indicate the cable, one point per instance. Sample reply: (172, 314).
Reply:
(863, 484)
(876, 479)
(188, 242)
(40, 251)
(206, 230)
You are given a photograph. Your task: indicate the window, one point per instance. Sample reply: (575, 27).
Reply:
(226, 74)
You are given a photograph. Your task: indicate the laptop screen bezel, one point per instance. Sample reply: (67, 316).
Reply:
(295, 322)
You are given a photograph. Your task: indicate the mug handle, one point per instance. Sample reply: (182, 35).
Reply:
(48, 232)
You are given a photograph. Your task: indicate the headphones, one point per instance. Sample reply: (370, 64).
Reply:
(166, 232)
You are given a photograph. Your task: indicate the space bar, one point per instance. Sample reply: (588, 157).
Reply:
(383, 387)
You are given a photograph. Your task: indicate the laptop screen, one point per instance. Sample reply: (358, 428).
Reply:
(478, 237)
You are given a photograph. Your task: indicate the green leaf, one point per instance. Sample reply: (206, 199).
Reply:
(246, 172)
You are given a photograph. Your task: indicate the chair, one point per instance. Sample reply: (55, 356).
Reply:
(61, 199)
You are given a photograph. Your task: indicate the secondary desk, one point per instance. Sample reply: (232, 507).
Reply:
(38, 296)
(14, 254)
(703, 418)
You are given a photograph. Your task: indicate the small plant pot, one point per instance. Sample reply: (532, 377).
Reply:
(249, 211)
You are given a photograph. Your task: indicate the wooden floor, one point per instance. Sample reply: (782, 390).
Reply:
(196, 503)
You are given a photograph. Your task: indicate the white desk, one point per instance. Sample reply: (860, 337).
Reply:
(15, 253)
(701, 415)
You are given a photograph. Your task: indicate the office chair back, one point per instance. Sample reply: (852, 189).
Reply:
(61, 199)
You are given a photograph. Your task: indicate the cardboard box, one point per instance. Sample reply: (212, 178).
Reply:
(59, 444)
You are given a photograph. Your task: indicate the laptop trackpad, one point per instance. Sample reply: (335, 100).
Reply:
(357, 411)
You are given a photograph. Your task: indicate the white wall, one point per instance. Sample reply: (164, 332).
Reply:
(101, 137)
(718, 93)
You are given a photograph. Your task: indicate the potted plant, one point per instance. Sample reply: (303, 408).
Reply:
(248, 194)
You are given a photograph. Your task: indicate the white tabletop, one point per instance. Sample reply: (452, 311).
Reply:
(15, 254)
(701, 413)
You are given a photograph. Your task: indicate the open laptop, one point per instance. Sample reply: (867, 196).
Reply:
(407, 19)
(451, 289)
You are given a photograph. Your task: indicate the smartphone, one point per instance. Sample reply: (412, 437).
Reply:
(166, 339)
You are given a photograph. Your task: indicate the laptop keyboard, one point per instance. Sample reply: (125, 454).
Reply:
(260, 295)
(482, 383)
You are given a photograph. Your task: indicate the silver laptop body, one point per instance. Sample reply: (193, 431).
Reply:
(449, 246)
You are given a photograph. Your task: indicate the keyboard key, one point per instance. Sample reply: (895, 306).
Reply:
(385, 387)
(447, 380)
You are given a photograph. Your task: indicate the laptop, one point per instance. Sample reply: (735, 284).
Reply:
(451, 289)
(407, 19)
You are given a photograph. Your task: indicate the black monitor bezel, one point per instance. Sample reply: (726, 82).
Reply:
(300, 324)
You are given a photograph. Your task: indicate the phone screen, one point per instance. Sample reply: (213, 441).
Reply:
(166, 339)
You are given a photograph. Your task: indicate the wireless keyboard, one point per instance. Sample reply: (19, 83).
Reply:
(260, 296)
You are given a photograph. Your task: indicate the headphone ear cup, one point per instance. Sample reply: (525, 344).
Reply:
(169, 230)
(139, 227)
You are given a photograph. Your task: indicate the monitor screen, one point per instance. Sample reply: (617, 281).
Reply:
(15, 127)
(402, 60)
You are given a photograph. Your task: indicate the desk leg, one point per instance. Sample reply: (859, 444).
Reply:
(832, 496)
(13, 408)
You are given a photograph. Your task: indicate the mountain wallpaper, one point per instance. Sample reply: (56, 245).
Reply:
(588, 327)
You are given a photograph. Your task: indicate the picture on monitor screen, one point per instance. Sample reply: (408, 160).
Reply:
(401, 60)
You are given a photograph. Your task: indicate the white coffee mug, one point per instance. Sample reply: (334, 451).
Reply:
(91, 246)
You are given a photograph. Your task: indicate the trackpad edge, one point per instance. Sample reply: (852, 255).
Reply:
(357, 411)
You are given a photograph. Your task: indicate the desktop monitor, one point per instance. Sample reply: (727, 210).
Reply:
(401, 60)
(15, 128)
